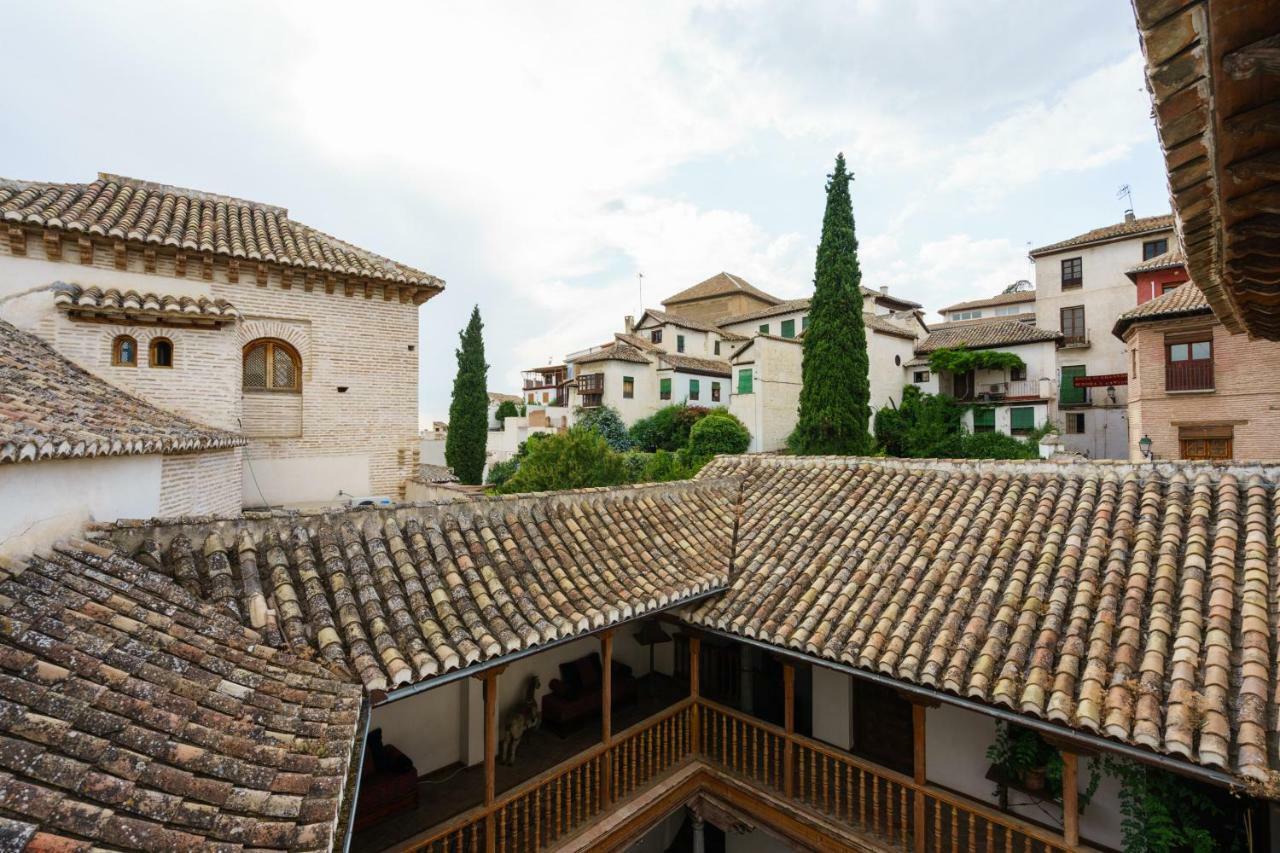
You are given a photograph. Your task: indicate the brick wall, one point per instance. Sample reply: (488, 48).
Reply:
(1246, 392)
(201, 483)
(360, 342)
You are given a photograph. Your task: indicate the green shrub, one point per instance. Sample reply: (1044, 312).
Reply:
(605, 421)
(635, 463)
(997, 445)
(718, 432)
(501, 472)
(506, 409)
(570, 460)
(666, 429)
(929, 426)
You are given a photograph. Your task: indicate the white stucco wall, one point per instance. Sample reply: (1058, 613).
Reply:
(769, 411)
(279, 482)
(43, 501)
(751, 328)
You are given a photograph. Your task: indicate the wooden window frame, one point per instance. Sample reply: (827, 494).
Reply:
(715, 392)
(695, 389)
(1191, 375)
(116, 360)
(679, 343)
(664, 389)
(151, 353)
(1082, 327)
(1067, 424)
(1154, 243)
(918, 376)
(655, 336)
(273, 345)
(628, 387)
(1072, 265)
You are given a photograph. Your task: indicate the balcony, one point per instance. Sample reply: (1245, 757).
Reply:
(1190, 375)
(1074, 342)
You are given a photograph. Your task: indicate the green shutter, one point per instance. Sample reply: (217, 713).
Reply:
(764, 328)
(1068, 394)
(744, 381)
(984, 419)
(788, 328)
(693, 389)
(664, 389)
(679, 343)
(1022, 418)
(804, 322)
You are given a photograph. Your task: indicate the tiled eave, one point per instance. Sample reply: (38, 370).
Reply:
(1214, 78)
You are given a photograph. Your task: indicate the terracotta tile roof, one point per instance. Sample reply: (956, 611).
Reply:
(886, 299)
(51, 409)
(432, 474)
(993, 301)
(399, 596)
(694, 364)
(1108, 233)
(689, 323)
(718, 285)
(615, 351)
(1184, 300)
(133, 716)
(787, 307)
(1134, 602)
(497, 397)
(153, 214)
(877, 323)
(640, 342)
(983, 334)
(130, 306)
(1171, 259)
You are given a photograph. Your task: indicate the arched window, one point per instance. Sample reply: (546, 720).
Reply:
(124, 351)
(161, 352)
(271, 365)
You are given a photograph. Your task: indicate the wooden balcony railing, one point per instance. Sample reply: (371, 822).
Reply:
(891, 809)
(1189, 375)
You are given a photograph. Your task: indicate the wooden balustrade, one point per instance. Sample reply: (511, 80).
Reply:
(890, 807)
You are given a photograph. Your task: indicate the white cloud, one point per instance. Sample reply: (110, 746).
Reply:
(1096, 120)
(953, 269)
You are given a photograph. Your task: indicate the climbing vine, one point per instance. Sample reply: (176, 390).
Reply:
(961, 360)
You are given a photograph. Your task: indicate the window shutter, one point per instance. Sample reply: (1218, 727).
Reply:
(694, 389)
(788, 328)
(744, 381)
(984, 418)
(664, 388)
(1022, 417)
(255, 367)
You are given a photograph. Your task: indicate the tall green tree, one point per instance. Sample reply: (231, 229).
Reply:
(835, 399)
(469, 410)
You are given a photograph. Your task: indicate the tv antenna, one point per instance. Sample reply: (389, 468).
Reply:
(1125, 193)
(640, 278)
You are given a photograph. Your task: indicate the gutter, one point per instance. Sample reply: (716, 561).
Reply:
(502, 660)
(1091, 743)
(366, 713)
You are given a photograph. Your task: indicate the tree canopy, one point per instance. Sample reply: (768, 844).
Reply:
(464, 447)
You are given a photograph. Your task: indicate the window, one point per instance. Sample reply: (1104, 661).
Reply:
(1022, 420)
(1206, 442)
(1069, 394)
(694, 390)
(161, 352)
(271, 365)
(715, 392)
(804, 322)
(124, 352)
(656, 336)
(920, 376)
(984, 419)
(628, 387)
(664, 389)
(717, 347)
(1075, 423)
(533, 398)
(1018, 374)
(1189, 365)
(1153, 248)
(966, 315)
(679, 343)
(764, 328)
(1168, 286)
(1007, 310)
(744, 381)
(1072, 273)
(788, 328)
(1073, 330)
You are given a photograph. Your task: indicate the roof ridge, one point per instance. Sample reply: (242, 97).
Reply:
(206, 195)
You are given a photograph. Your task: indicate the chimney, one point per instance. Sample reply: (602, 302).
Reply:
(884, 290)
(629, 323)
(1128, 216)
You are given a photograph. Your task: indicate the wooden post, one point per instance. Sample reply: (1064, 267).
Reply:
(1070, 799)
(789, 722)
(606, 716)
(490, 680)
(695, 659)
(919, 774)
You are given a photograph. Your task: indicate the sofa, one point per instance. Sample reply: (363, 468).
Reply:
(576, 694)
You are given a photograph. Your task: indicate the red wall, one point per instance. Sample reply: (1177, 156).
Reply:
(1151, 284)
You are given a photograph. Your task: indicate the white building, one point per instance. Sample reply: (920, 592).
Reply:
(1018, 305)
(1013, 401)
(1081, 290)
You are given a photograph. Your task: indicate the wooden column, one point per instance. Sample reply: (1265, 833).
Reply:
(606, 716)
(489, 678)
(789, 722)
(1070, 799)
(695, 659)
(918, 774)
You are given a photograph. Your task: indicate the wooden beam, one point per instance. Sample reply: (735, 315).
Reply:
(121, 254)
(329, 284)
(52, 245)
(490, 681)
(789, 723)
(206, 267)
(233, 270)
(1261, 57)
(606, 715)
(286, 278)
(149, 260)
(1070, 799)
(262, 275)
(919, 774)
(180, 264)
(17, 240)
(86, 250)
(695, 659)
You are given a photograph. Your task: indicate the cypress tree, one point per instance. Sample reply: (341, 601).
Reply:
(835, 398)
(464, 446)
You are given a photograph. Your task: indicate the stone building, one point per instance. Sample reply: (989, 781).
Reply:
(1082, 286)
(232, 314)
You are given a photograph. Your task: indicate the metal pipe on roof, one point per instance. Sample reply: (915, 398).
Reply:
(502, 660)
(1088, 741)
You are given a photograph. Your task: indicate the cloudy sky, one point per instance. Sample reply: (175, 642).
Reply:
(537, 156)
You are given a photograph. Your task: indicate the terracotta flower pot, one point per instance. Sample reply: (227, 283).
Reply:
(1033, 779)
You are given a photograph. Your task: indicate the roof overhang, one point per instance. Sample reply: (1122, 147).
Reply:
(1213, 70)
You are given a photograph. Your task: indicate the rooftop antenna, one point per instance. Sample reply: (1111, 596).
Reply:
(640, 278)
(1125, 193)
